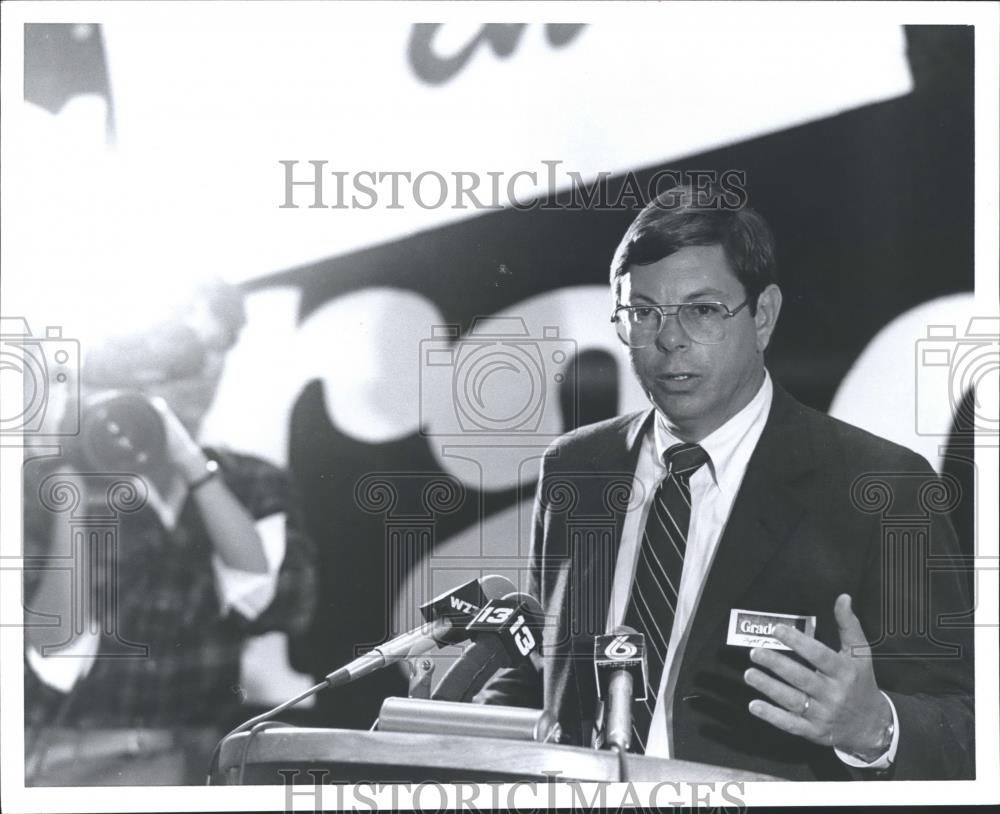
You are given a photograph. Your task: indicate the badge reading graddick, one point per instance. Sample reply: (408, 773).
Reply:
(755, 629)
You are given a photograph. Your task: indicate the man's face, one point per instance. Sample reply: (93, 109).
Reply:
(699, 387)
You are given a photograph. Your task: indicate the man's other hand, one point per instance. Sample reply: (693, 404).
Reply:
(835, 704)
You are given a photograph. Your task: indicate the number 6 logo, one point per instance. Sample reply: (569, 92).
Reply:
(620, 648)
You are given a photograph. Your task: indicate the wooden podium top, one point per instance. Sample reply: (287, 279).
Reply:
(351, 756)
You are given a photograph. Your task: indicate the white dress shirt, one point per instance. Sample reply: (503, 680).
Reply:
(714, 487)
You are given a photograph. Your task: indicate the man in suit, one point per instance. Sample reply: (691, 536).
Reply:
(730, 495)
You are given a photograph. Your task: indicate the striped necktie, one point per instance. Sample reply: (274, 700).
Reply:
(658, 573)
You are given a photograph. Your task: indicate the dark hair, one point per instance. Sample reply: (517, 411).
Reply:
(682, 217)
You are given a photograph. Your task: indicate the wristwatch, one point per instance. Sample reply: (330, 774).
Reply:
(211, 470)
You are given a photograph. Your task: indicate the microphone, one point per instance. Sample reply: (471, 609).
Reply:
(622, 676)
(504, 632)
(446, 617)
(460, 605)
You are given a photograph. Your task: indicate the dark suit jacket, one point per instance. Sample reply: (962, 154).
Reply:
(824, 508)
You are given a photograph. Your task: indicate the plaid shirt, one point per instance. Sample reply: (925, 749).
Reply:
(167, 601)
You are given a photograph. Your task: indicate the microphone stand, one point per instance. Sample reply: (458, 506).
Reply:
(333, 680)
(623, 772)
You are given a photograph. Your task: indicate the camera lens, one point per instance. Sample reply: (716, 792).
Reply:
(122, 432)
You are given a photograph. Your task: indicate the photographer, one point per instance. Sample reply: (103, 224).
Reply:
(137, 677)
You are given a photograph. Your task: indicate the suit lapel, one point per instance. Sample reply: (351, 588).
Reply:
(587, 575)
(615, 471)
(770, 503)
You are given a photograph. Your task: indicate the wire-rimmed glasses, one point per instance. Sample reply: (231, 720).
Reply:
(638, 326)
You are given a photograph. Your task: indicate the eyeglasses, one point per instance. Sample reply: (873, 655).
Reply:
(705, 322)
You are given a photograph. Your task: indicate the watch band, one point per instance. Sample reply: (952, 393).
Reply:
(211, 470)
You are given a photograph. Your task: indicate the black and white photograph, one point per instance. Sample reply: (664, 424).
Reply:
(511, 406)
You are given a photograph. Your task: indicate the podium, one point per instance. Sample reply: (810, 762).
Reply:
(309, 756)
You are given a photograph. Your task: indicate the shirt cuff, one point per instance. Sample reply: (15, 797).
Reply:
(62, 670)
(883, 761)
(249, 592)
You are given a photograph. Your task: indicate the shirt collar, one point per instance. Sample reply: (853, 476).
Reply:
(730, 446)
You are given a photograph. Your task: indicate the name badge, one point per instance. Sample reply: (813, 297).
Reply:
(755, 629)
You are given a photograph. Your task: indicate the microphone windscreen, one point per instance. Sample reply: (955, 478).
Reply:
(454, 609)
(478, 664)
(495, 586)
(462, 603)
(529, 602)
(504, 632)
